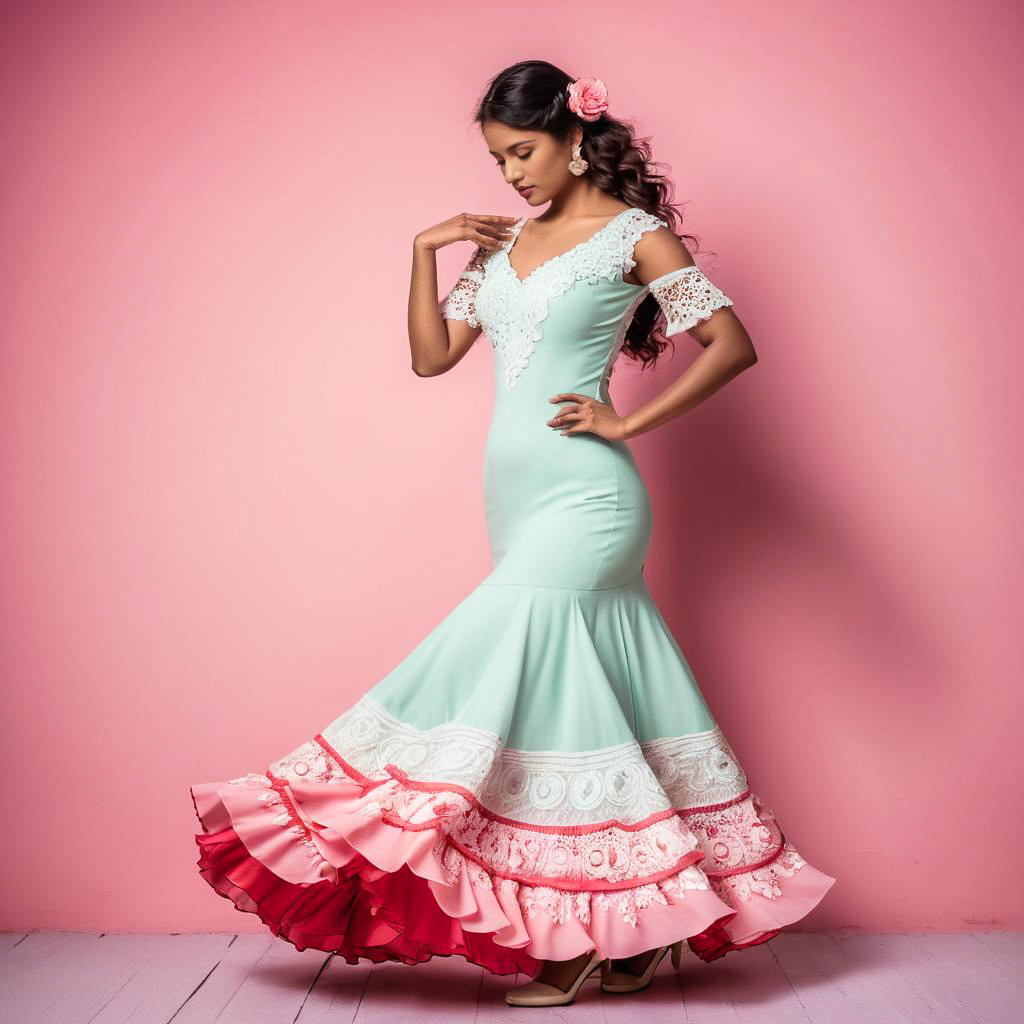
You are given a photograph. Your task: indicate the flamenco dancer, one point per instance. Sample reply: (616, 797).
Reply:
(539, 786)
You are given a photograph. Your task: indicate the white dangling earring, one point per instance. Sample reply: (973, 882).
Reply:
(578, 165)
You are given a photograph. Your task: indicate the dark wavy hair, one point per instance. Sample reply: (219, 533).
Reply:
(532, 95)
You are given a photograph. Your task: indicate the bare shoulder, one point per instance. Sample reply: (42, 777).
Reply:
(657, 252)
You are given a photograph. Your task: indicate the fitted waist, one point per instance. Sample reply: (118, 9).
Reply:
(531, 450)
(564, 510)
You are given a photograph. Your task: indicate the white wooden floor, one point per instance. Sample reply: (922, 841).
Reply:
(70, 977)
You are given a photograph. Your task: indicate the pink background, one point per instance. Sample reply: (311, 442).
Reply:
(229, 507)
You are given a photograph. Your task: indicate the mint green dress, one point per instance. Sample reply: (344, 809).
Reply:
(541, 775)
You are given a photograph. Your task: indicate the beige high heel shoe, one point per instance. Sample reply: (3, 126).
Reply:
(540, 993)
(613, 979)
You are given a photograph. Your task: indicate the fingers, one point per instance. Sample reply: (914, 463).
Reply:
(582, 414)
(568, 414)
(496, 230)
(493, 244)
(571, 410)
(494, 226)
(581, 422)
(493, 236)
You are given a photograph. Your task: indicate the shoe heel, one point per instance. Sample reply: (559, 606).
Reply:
(677, 954)
(637, 982)
(535, 993)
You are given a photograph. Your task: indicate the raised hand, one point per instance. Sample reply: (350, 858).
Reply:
(487, 230)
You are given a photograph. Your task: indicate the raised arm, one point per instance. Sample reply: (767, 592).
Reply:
(440, 334)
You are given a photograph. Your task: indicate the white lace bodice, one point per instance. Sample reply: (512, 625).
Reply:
(489, 294)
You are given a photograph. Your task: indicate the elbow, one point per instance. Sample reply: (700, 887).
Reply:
(426, 370)
(742, 359)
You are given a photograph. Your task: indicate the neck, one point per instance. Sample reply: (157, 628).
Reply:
(578, 199)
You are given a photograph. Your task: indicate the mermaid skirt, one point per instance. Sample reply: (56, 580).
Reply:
(541, 776)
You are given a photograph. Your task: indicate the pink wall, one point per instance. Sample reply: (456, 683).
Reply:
(229, 506)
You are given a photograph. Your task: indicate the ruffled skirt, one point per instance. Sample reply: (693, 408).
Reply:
(540, 777)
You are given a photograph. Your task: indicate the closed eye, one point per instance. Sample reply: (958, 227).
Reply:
(522, 156)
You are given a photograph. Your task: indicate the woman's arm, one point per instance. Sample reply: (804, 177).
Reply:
(440, 334)
(690, 303)
(727, 347)
(688, 297)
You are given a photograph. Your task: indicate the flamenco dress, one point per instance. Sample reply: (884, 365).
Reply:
(541, 775)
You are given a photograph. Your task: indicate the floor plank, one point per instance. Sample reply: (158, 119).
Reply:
(219, 986)
(986, 988)
(835, 982)
(337, 993)
(747, 986)
(50, 977)
(171, 967)
(1008, 946)
(8, 940)
(272, 987)
(886, 966)
(66, 977)
(445, 989)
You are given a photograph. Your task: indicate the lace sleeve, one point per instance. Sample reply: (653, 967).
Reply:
(686, 296)
(636, 226)
(460, 302)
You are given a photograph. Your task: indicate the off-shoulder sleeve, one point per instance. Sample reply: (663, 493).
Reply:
(686, 297)
(460, 302)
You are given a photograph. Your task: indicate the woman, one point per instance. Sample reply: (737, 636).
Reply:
(539, 786)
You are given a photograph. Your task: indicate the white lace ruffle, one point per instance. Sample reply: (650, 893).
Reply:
(686, 297)
(633, 230)
(460, 302)
(627, 782)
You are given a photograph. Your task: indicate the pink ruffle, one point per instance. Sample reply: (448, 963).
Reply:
(323, 868)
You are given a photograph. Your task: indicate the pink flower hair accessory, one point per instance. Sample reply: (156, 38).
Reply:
(588, 98)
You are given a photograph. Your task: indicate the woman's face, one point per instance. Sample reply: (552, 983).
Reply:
(531, 160)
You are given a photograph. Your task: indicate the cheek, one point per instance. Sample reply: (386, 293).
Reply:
(553, 168)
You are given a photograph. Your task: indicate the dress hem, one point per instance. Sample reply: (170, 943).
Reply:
(385, 894)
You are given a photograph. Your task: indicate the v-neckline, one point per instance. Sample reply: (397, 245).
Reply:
(540, 266)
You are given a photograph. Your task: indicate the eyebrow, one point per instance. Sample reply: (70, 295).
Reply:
(509, 149)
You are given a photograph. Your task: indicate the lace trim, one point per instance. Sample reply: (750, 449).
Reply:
(610, 857)
(460, 302)
(558, 869)
(761, 881)
(563, 906)
(686, 296)
(512, 310)
(635, 229)
(626, 783)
